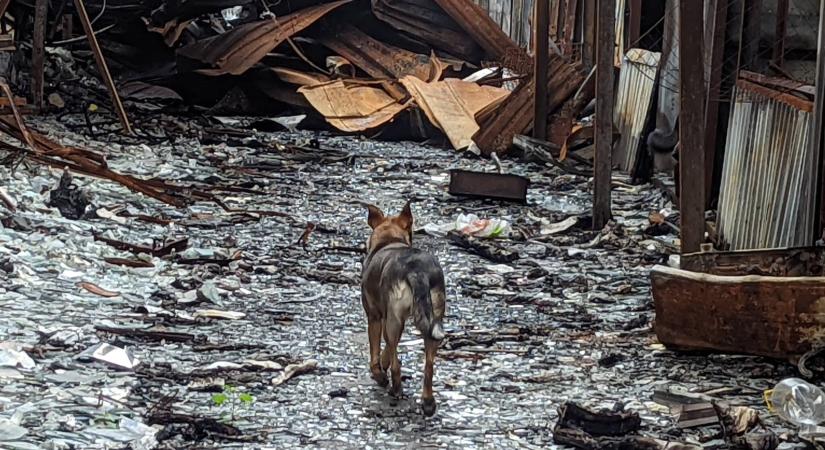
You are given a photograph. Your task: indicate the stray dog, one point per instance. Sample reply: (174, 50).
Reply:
(398, 281)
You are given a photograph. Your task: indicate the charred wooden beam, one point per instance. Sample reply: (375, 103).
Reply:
(541, 34)
(780, 33)
(691, 117)
(605, 79)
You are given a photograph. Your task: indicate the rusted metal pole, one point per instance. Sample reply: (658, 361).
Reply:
(782, 8)
(603, 133)
(589, 48)
(541, 36)
(102, 67)
(714, 61)
(819, 134)
(41, 9)
(634, 26)
(691, 128)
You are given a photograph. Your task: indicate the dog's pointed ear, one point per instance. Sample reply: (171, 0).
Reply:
(405, 219)
(376, 216)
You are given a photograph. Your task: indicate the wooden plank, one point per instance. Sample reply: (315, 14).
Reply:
(542, 55)
(691, 128)
(603, 134)
(102, 67)
(714, 62)
(781, 32)
(778, 317)
(41, 10)
(634, 25)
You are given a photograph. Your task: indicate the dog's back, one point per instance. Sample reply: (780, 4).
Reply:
(406, 281)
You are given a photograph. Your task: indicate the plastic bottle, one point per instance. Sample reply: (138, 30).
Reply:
(798, 402)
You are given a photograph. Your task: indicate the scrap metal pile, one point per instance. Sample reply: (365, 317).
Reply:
(405, 68)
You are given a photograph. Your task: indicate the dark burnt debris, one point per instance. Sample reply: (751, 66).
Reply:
(184, 190)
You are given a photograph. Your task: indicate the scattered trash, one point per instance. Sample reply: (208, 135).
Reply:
(12, 355)
(294, 370)
(471, 224)
(797, 402)
(110, 354)
(216, 314)
(558, 227)
(68, 198)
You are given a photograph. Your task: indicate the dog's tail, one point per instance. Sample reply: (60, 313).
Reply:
(423, 315)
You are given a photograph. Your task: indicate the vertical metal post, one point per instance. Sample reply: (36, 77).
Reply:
(102, 67)
(819, 121)
(691, 127)
(41, 10)
(605, 80)
(714, 60)
(542, 57)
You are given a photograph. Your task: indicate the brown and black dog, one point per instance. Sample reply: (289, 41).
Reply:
(399, 281)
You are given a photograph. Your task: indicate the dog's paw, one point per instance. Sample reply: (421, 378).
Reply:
(428, 406)
(380, 378)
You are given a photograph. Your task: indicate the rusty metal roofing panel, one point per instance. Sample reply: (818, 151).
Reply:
(487, 33)
(767, 197)
(429, 23)
(633, 104)
(236, 51)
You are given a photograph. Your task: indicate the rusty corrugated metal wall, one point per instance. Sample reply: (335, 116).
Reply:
(767, 197)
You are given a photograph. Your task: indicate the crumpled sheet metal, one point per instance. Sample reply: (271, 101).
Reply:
(352, 106)
(236, 51)
(377, 59)
(452, 105)
(515, 115)
(426, 21)
(488, 34)
(779, 317)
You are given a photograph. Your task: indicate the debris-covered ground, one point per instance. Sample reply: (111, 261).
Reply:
(251, 333)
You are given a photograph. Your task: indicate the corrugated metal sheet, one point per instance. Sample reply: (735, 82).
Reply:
(767, 197)
(515, 18)
(633, 104)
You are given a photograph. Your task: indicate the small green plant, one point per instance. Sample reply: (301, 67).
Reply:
(232, 399)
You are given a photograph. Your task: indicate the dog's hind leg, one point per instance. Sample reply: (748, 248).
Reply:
(427, 399)
(389, 358)
(379, 374)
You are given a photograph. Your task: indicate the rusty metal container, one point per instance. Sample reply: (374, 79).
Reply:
(775, 316)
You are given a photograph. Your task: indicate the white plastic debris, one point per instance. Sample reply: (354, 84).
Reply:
(115, 356)
(11, 431)
(12, 355)
(471, 224)
(230, 14)
(137, 434)
(558, 227)
(218, 314)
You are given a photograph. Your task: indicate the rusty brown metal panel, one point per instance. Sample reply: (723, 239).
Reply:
(374, 57)
(766, 316)
(515, 115)
(236, 51)
(486, 32)
(489, 185)
(795, 262)
(430, 23)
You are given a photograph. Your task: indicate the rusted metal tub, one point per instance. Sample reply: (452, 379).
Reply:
(774, 316)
